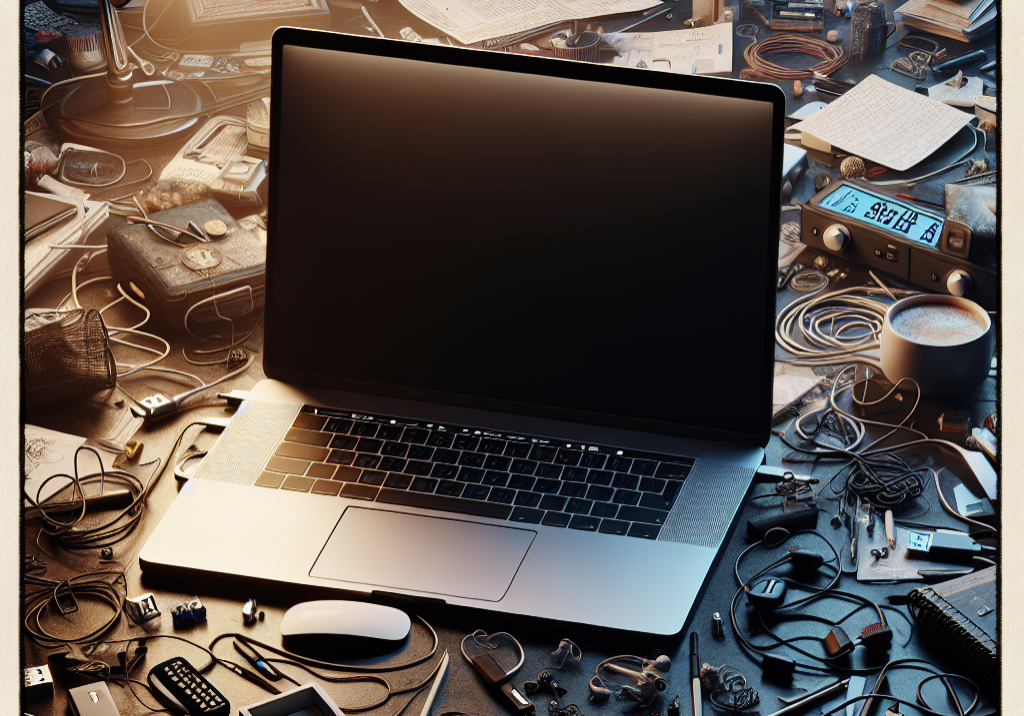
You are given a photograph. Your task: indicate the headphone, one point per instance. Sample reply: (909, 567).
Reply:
(643, 678)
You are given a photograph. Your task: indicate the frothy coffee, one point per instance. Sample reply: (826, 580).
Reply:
(938, 324)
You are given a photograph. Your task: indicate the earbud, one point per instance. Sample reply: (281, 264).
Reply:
(663, 663)
(599, 693)
(805, 559)
(767, 593)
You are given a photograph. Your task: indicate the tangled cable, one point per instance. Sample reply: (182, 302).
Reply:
(832, 58)
(46, 598)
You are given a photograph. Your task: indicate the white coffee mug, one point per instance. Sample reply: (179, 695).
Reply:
(944, 343)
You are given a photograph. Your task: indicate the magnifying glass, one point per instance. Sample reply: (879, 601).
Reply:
(490, 655)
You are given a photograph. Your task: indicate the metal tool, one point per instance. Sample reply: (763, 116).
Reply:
(798, 702)
(854, 688)
(480, 650)
(646, 15)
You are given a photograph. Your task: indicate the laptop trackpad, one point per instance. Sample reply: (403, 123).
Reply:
(445, 556)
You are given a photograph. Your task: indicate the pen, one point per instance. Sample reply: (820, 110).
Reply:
(442, 671)
(890, 529)
(792, 706)
(695, 675)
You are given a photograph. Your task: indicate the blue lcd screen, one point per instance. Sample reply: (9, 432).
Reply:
(885, 213)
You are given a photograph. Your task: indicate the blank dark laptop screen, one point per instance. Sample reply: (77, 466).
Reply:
(571, 243)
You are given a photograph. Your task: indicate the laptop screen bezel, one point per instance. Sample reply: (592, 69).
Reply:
(504, 62)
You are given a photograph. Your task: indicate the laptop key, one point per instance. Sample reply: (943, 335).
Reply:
(547, 486)
(326, 487)
(643, 514)
(583, 522)
(344, 442)
(603, 509)
(337, 425)
(417, 436)
(308, 437)
(476, 492)
(465, 442)
(578, 506)
(552, 502)
(496, 462)
(440, 439)
(303, 452)
(652, 484)
(491, 446)
(643, 467)
(472, 459)
(645, 531)
(372, 477)
(443, 503)
(573, 489)
(418, 468)
(618, 464)
(341, 457)
(501, 494)
(390, 432)
(613, 527)
(626, 497)
(364, 429)
(321, 469)
(527, 515)
(450, 488)
(356, 491)
(297, 483)
(398, 481)
(391, 464)
(593, 459)
(287, 464)
(556, 519)
(420, 452)
(543, 453)
(347, 474)
(270, 479)
(599, 477)
(673, 469)
(520, 482)
(394, 449)
(449, 456)
(364, 460)
(597, 492)
(574, 474)
(470, 474)
(495, 478)
(566, 456)
(308, 421)
(423, 484)
(369, 445)
(550, 471)
(523, 467)
(627, 482)
(517, 450)
(444, 471)
(657, 502)
(528, 499)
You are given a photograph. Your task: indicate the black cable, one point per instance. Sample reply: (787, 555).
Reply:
(43, 596)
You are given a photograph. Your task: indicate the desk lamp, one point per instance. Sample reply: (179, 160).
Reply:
(116, 107)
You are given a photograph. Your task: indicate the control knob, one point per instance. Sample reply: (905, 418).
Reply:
(836, 237)
(959, 282)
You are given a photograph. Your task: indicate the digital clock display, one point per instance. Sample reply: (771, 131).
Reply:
(885, 213)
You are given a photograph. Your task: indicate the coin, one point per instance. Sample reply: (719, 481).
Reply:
(215, 228)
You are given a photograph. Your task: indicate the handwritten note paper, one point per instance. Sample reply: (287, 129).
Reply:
(885, 124)
(697, 51)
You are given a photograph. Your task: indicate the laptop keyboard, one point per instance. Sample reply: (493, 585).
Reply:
(519, 478)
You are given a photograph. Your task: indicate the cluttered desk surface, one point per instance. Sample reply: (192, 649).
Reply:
(87, 609)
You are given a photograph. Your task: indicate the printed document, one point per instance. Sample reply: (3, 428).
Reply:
(883, 123)
(470, 21)
(696, 51)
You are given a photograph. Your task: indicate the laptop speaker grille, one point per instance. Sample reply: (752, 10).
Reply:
(705, 506)
(248, 442)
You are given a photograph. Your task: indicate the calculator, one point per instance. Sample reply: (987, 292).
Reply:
(177, 684)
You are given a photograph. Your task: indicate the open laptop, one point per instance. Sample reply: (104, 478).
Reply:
(519, 335)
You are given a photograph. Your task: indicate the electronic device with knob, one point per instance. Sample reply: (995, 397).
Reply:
(861, 225)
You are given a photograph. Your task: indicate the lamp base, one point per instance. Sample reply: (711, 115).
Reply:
(158, 111)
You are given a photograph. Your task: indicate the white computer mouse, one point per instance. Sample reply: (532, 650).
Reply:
(334, 627)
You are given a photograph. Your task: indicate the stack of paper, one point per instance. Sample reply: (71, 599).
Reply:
(961, 20)
(45, 254)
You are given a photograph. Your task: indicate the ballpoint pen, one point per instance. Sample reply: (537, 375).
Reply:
(803, 701)
(695, 676)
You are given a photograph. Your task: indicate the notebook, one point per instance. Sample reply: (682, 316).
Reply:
(518, 336)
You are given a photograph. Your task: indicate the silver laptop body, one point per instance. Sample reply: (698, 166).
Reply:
(247, 513)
